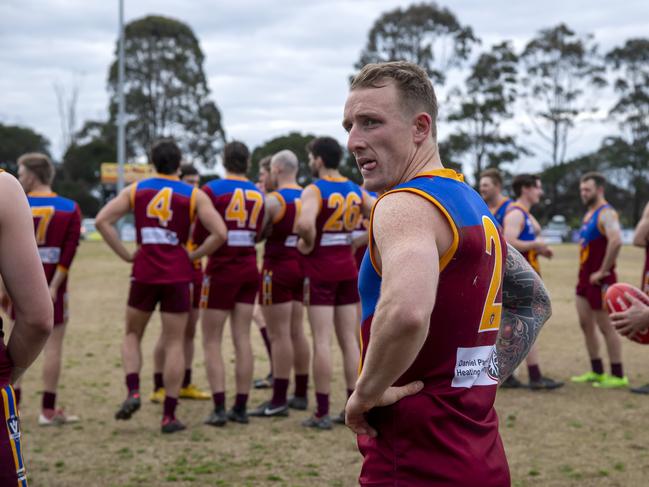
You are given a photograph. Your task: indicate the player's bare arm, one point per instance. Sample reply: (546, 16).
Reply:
(23, 276)
(609, 222)
(59, 276)
(109, 216)
(367, 203)
(305, 223)
(68, 251)
(272, 207)
(641, 235)
(409, 260)
(526, 308)
(513, 225)
(212, 222)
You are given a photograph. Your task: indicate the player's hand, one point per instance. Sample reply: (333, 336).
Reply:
(633, 320)
(544, 250)
(53, 293)
(303, 248)
(356, 407)
(596, 277)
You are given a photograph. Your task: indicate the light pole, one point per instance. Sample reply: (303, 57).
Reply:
(121, 123)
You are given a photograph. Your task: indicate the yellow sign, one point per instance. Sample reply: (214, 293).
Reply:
(132, 172)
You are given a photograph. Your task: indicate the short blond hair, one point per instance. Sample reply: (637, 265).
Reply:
(40, 165)
(412, 82)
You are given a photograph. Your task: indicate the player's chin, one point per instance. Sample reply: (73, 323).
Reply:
(372, 181)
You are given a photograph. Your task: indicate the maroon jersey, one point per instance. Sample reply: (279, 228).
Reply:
(164, 209)
(645, 274)
(448, 433)
(57, 225)
(241, 205)
(340, 210)
(593, 242)
(281, 244)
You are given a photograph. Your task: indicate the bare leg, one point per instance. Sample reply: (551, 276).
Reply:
(587, 323)
(301, 354)
(278, 322)
(347, 334)
(244, 361)
(173, 332)
(321, 319)
(213, 321)
(533, 356)
(612, 338)
(190, 333)
(136, 322)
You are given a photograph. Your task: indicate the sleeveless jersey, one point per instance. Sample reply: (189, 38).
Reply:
(281, 244)
(57, 225)
(501, 211)
(340, 211)
(164, 209)
(361, 229)
(457, 421)
(527, 234)
(241, 205)
(645, 274)
(593, 242)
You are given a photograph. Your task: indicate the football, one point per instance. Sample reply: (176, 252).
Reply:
(617, 301)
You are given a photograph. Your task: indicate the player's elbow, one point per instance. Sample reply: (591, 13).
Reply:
(639, 240)
(38, 318)
(411, 318)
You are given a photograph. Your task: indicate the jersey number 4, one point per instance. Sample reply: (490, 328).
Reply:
(44, 215)
(237, 212)
(160, 206)
(492, 310)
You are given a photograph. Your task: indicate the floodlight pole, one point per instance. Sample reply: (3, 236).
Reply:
(121, 128)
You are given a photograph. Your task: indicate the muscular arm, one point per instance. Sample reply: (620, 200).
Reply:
(108, 216)
(641, 235)
(526, 307)
(513, 225)
(608, 220)
(211, 221)
(272, 207)
(69, 250)
(22, 272)
(305, 224)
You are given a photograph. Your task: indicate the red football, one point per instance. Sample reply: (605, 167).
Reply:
(616, 301)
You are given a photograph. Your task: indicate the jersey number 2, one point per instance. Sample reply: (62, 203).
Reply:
(160, 206)
(492, 310)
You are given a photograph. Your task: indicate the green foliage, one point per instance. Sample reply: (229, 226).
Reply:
(481, 106)
(425, 34)
(293, 141)
(166, 92)
(16, 141)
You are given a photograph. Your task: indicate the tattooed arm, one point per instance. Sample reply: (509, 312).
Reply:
(526, 307)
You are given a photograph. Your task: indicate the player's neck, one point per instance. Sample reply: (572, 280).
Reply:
(232, 175)
(496, 202)
(597, 203)
(425, 159)
(525, 203)
(287, 182)
(40, 189)
(326, 172)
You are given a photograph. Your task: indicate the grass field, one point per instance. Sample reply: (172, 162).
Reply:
(576, 436)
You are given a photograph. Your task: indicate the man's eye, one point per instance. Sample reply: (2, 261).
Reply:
(370, 122)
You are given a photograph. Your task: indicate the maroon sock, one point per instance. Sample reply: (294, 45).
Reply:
(240, 401)
(616, 370)
(534, 372)
(17, 394)
(188, 377)
(169, 408)
(158, 383)
(323, 404)
(301, 383)
(264, 335)
(49, 400)
(219, 399)
(133, 383)
(349, 393)
(597, 365)
(280, 388)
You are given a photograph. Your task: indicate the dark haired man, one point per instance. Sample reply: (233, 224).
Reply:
(600, 240)
(523, 232)
(164, 208)
(331, 209)
(231, 281)
(434, 285)
(57, 226)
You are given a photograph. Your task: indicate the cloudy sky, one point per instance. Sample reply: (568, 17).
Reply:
(273, 67)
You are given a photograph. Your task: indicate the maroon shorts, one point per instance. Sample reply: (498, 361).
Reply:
(593, 294)
(197, 284)
(281, 282)
(223, 292)
(12, 467)
(330, 293)
(173, 297)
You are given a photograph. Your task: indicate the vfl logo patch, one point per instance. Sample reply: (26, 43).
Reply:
(13, 427)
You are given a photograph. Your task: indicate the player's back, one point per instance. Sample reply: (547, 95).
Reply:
(452, 419)
(340, 211)
(57, 226)
(164, 209)
(281, 244)
(501, 211)
(593, 242)
(241, 205)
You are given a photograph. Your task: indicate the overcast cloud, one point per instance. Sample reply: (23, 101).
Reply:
(273, 67)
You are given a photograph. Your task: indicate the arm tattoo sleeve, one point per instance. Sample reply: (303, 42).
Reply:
(526, 307)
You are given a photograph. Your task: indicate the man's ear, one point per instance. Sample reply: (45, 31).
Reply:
(422, 127)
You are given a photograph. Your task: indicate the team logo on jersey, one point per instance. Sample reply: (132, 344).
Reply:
(475, 366)
(13, 427)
